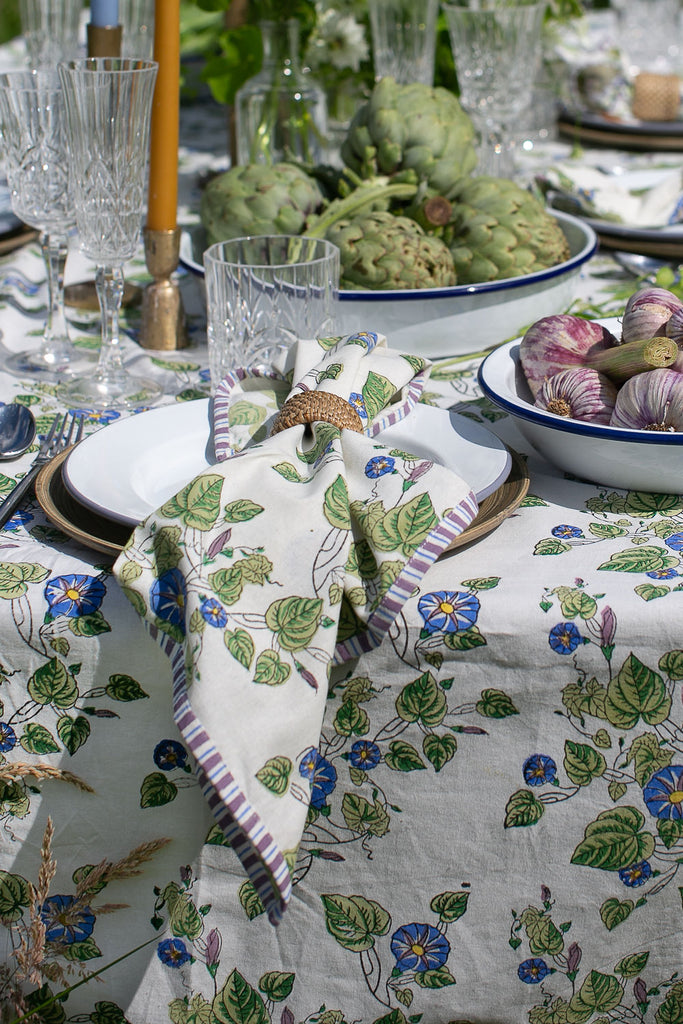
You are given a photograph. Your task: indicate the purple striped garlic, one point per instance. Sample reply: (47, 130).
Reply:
(647, 313)
(579, 394)
(560, 342)
(651, 401)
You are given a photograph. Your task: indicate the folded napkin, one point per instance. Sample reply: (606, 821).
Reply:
(295, 552)
(604, 195)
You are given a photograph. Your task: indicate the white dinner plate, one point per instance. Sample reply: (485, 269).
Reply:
(130, 468)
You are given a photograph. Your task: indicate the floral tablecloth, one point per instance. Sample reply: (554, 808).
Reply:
(495, 832)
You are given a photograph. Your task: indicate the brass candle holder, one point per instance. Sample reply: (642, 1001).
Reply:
(163, 317)
(104, 40)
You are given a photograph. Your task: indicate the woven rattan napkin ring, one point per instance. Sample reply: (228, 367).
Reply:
(317, 407)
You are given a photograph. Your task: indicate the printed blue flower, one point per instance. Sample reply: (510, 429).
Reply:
(564, 638)
(662, 574)
(167, 597)
(65, 920)
(447, 611)
(565, 531)
(419, 947)
(320, 773)
(532, 971)
(213, 612)
(170, 754)
(365, 754)
(97, 415)
(636, 874)
(539, 769)
(358, 403)
(74, 595)
(8, 737)
(675, 541)
(379, 465)
(664, 793)
(173, 952)
(19, 519)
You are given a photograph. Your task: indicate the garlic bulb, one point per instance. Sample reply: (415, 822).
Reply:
(560, 342)
(580, 394)
(647, 313)
(650, 401)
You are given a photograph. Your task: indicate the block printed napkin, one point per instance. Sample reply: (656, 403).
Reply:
(295, 552)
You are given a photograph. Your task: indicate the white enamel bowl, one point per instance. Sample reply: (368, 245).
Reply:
(637, 460)
(441, 322)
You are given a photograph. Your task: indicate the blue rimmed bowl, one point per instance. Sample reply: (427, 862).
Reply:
(442, 322)
(636, 460)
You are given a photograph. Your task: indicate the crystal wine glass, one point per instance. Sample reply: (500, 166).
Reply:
(109, 102)
(34, 136)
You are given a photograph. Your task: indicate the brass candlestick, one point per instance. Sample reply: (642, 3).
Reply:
(163, 316)
(104, 40)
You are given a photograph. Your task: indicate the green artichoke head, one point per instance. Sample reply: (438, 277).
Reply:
(416, 131)
(258, 199)
(497, 229)
(380, 251)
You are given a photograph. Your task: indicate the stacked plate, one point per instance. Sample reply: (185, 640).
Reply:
(99, 490)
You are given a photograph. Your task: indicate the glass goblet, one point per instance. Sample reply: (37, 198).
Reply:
(109, 102)
(496, 47)
(34, 136)
(50, 29)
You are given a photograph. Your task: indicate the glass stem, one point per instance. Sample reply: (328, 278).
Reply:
(54, 250)
(109, 283)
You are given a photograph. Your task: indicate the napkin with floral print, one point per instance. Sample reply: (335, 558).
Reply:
(294, 552)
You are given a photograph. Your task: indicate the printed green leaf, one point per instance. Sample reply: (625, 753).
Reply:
(639, 559)
(636, 692)
(351, 719)
(167, 551)
(449, 905)
(294, 620)
(405, 996)
(616, 790)
(404, 528)
(73, 732)
(523, 809)
(650, 592)
(599, 992)
(157, 790)
(671, 664)
(240, 645)
(197, 505)
(551, 546)
(129, 572)
(614, 840)
(52, 683)
(184, 918)
(15, 896)
(648, 757)
(583, 763)
(227, 584)
(403, 757)
(670, 830)
(15, 575)
(606, 531)
(439, 749)
(465, 639)
(588, 699)
(543, 935)
(239, 1003)
(438, 977)
(93, 624)
(124, 688)
(644, 503)
(361, 560)
(671, 1010)
(79, 952)
(252, 903)
(36, 739)
(482, 583)
(633, 965)
(358, 689)
(377, 392)
(422, 701)
(363, 817)
(577, 603)
(255, 569)
(276, 985)
(241, 511)
(245, 413)
(197, 622)
(289, 472)
(270, 669)
(394, 1017)
(137, 600)
(495, 704)
(354, 921)
(275, 775)
(336, 505)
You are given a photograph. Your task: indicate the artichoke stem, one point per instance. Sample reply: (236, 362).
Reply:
(359, 199)
(623, 361)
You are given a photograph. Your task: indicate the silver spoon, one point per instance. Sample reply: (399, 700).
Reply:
(17, 430)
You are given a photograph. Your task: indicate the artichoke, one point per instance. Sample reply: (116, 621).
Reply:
(257, 199)
(496, 229)
(382, 250)
(419, 132)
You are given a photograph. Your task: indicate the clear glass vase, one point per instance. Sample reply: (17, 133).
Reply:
(281, 113)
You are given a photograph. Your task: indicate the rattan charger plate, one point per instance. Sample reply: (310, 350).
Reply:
(109, 537)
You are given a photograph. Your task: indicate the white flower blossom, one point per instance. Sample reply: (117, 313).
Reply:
(338, 40)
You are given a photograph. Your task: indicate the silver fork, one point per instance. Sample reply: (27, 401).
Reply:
(60, 436)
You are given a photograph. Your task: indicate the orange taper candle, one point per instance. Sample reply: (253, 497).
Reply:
(162, 205)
